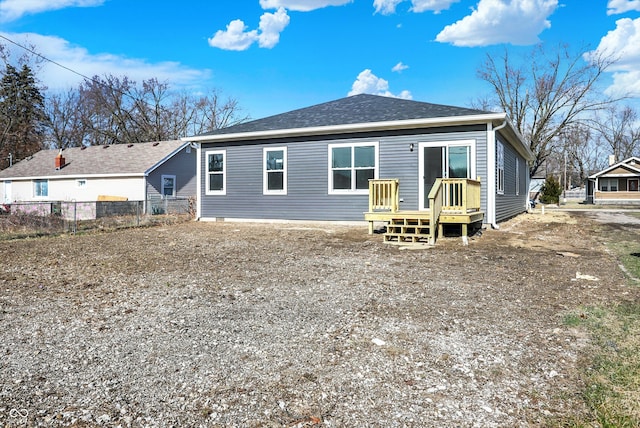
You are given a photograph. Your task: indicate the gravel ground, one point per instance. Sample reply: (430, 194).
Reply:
(263, 325)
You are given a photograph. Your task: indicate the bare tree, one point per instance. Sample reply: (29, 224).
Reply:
(106, 109)
(584, 152)
(546, 94)
(619, 129)
(65, 127)
(114, 110)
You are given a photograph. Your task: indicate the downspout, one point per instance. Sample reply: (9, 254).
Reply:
(491, 174)
(199, 179)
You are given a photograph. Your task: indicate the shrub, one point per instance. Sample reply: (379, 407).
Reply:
(551, 191)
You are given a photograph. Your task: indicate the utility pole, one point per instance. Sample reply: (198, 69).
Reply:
(565, 177)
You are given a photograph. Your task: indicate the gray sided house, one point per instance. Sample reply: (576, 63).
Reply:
(135, 172)
(315, 163)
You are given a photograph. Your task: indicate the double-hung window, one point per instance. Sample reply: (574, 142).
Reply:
(500, 168)
(609, 184)
(41, 188)
(351, 166)
(216, 172)
(275, 171)
(168, 186)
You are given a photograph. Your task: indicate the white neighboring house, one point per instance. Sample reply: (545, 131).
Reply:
(134, 172)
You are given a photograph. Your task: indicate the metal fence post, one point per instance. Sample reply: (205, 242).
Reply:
(75, 216)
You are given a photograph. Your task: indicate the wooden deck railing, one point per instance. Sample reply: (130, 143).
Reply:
(448, 196)
(460, 194)
(384, 195)
(435, 208)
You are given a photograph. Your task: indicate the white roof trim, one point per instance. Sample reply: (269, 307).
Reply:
(349, 128)
(624, 163)
(166, 158)
(73, 177)
(369, 126)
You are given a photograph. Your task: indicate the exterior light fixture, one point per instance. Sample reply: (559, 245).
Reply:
(411, 147)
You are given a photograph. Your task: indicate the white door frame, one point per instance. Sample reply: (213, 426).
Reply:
(446, 145)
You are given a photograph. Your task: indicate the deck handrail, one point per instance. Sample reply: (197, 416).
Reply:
(461, 194)
(384, 194)
(435, 208)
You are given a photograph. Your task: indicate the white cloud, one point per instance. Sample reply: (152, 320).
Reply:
(237, 38)
(387, 7)
(81, 61)
(13, 9)
(435, 5)
(301, 5)
(623, 43)
(369, 83)
(271, 25)
(501, 21)
(399, 67)
(621, 6)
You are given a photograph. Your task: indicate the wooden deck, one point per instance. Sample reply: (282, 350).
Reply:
(452, 201)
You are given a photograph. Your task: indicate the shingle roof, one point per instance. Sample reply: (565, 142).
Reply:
(116, 159)
(631, 164)
(363, 108)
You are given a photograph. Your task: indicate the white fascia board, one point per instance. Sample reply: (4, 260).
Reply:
(349, 128)
(622, 164)
(166, 158)
(74, 176)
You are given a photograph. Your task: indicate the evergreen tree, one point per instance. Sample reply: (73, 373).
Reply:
(22, 118)
(551, 191)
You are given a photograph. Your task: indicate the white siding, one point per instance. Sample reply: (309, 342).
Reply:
(67, 189)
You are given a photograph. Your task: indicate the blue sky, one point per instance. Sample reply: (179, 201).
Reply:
(274, 56)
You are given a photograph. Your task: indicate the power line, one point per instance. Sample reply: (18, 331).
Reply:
(31, 51)
(91, 79)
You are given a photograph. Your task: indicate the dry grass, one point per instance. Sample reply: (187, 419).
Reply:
(611, 371)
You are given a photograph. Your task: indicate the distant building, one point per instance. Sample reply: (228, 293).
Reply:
(618, 184)
(140, 172)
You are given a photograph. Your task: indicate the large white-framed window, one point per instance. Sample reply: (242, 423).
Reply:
(41, 188)
(500, 168)
(351, 166)
(168, 186)
(216, 168)
(274, 176)
(609, 184)
(633, 185)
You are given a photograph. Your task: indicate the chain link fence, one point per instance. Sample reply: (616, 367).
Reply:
(23, 219)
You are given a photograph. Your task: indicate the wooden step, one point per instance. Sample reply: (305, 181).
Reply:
(407, 230)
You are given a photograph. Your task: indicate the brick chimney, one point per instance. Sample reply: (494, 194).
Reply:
(60, 162)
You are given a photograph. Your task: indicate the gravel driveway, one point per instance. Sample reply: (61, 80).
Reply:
(263, 325)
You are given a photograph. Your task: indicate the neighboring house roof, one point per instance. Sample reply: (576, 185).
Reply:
(359, 113)
(626, 168)
(108, 160)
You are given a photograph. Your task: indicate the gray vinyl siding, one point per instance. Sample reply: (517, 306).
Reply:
(510, 204)
(307, 166)
(183, 166)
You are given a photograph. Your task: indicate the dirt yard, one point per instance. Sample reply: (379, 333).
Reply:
(288, 325)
